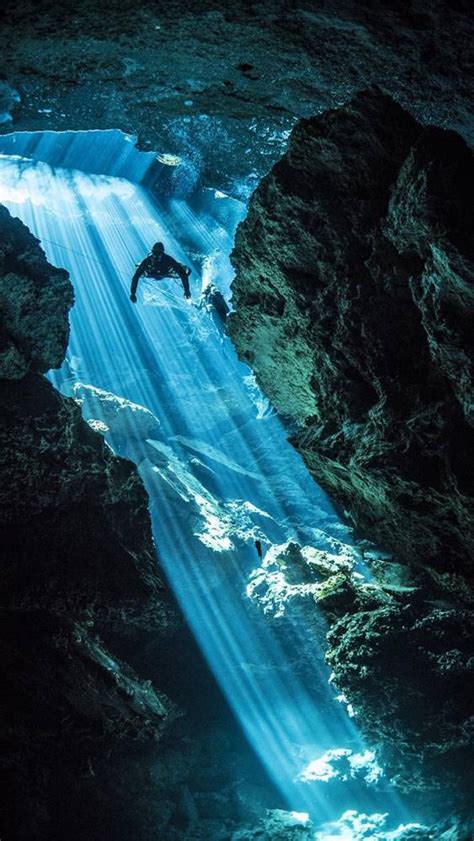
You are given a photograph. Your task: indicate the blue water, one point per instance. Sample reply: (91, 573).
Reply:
(216, 463)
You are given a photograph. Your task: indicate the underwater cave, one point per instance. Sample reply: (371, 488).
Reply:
(237, 590)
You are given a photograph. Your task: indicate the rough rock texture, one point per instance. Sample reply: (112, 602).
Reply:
(407, 666)
(402, 654)
(35, 299)
(353, 301)
(73, 716)
(86, 511)
(277, 825)
(220, 84)
(121, 420)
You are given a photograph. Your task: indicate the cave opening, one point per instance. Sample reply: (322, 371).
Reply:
(162, 383)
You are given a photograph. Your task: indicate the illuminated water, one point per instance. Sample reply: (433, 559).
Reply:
(218, 469)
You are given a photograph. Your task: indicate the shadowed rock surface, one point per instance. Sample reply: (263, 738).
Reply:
(86, 511)
(78, 558)
(353, 301)
(35, 301)
(220, 85)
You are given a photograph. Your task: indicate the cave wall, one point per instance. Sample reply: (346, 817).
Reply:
(353, 305)
(353, 301)
(221, 84)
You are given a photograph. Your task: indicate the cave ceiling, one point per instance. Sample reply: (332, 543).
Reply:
(221, 84)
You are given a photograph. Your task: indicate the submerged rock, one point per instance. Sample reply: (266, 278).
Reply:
(353, 301)
(353, 305)
(86, 510)
(407, 667)
(278, 825)
(35, 299)
(118, 419)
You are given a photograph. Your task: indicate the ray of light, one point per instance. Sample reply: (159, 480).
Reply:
(212, 463)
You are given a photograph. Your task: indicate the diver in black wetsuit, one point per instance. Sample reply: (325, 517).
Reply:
(159, 265)
(214, 302)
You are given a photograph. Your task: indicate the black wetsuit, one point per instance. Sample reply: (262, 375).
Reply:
(159, 266)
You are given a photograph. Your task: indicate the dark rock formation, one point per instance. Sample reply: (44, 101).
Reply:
(277, 825)
(407, 667)
(35, 301)
(353, 304)
(221, 84)
(79, 732)
(85, 510)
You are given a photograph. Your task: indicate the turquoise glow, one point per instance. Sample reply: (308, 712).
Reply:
(218, 469)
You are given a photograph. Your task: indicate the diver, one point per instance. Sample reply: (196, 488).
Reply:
(159, 265)
(214, 302)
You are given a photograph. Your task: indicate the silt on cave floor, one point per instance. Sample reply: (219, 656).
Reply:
(115, 723)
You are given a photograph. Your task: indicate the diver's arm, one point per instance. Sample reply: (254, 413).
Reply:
(136, 277)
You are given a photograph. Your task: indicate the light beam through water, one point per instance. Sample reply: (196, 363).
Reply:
(218, 469)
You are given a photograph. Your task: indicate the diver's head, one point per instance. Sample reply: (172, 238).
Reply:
(158, 248)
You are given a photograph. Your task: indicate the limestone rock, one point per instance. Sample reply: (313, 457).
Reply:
(353, 304)
(353, 301)
(83, 506)
(71, 712)
(407, 667)
(35, 299)
(278, 825)
(119, 419)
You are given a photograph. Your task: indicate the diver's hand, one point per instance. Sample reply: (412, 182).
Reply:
(133, 299)
(187, 296)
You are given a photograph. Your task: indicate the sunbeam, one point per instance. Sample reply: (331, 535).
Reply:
(217, 466)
